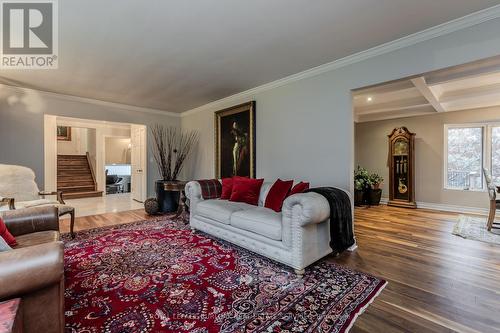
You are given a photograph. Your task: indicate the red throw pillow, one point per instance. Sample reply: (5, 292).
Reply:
(299, 188)
(6, 235)
(246, 190)
(227, 188)
(277, 194)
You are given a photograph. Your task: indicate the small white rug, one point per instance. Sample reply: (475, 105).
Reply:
(475, 228)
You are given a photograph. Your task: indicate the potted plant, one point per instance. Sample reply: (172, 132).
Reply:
(361, 182)
(170, 148)
(374, 191)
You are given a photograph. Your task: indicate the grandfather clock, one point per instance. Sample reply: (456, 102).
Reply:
(402, 168)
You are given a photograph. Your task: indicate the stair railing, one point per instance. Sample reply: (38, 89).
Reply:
(91, 170)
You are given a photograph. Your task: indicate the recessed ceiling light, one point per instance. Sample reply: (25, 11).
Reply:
(369, 99)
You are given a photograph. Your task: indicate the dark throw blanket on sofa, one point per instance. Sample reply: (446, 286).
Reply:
(341, 232)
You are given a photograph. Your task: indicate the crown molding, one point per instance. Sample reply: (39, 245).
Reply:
(424, 35)
(74, 98)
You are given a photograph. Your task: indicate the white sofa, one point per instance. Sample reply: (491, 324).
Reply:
(296, 237)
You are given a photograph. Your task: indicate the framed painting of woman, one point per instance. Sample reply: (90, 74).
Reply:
(235, 141)
(63, 133)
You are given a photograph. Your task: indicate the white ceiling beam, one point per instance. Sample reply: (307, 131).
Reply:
(424, 89)
(396, 115)
(403, 104)
(396, 110)
(491, 90)
(459, 72)
(383, 88)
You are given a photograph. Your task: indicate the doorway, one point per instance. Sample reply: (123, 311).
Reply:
(118, 167)
(110, 148)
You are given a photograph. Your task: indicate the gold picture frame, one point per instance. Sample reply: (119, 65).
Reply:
(235, 141)
(63, 133)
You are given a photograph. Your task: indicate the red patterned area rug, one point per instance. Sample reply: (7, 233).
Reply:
(157, 276)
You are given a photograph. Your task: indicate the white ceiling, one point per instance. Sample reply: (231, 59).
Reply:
(470, 86)
(175, 55)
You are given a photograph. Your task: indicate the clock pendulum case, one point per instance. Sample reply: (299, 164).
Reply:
(401, 163)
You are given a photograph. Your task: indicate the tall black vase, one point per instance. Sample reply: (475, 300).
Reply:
(168, 201)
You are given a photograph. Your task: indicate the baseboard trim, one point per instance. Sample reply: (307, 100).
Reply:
(446, 207)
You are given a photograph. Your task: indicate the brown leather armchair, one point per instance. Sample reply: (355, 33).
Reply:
(34, 269)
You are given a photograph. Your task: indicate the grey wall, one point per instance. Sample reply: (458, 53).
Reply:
(21, 126)
(305, 128)
(372, 148)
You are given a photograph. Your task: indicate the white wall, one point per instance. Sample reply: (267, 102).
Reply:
(22, 121)
(305, 128)
(117, 151)
(92, 146)
(79, 144)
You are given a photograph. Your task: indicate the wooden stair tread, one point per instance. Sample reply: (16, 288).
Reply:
(62, 186)
(79, 195)
(75, 178)
(72, 156)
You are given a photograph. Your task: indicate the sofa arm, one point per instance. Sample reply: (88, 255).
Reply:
(193, 190)
(312, 208)
(31, 268)
(193, 193)
(28, 220)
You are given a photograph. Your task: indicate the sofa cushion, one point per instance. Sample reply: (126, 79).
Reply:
(246, 190)
(259, 220)
(220, 210)
(298, 188)
(37, 238)
(277, 194)
(227, 188)
(264, 190)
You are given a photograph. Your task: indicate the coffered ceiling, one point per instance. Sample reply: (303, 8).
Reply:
(175, 55)
(471, 86)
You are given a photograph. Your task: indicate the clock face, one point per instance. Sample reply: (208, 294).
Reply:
(401, 147)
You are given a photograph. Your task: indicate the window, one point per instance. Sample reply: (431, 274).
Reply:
(495, 154)
(468, 149)
(465, 158)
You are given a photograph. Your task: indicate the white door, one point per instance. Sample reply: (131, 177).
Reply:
(138, 157)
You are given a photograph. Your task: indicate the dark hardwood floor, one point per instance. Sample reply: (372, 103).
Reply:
(438, 282)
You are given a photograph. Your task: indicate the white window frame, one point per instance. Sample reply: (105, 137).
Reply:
(486, 152)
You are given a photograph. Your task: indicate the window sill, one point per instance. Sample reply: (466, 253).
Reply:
(463, 190)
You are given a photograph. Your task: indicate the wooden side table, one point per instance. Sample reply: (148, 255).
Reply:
(182, 212)
(11, 317)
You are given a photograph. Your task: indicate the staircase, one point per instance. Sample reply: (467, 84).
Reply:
(75, 177)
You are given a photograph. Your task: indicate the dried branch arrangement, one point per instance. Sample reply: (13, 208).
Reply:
(170, 148)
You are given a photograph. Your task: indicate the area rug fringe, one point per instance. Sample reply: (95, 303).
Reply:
(365, 306)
